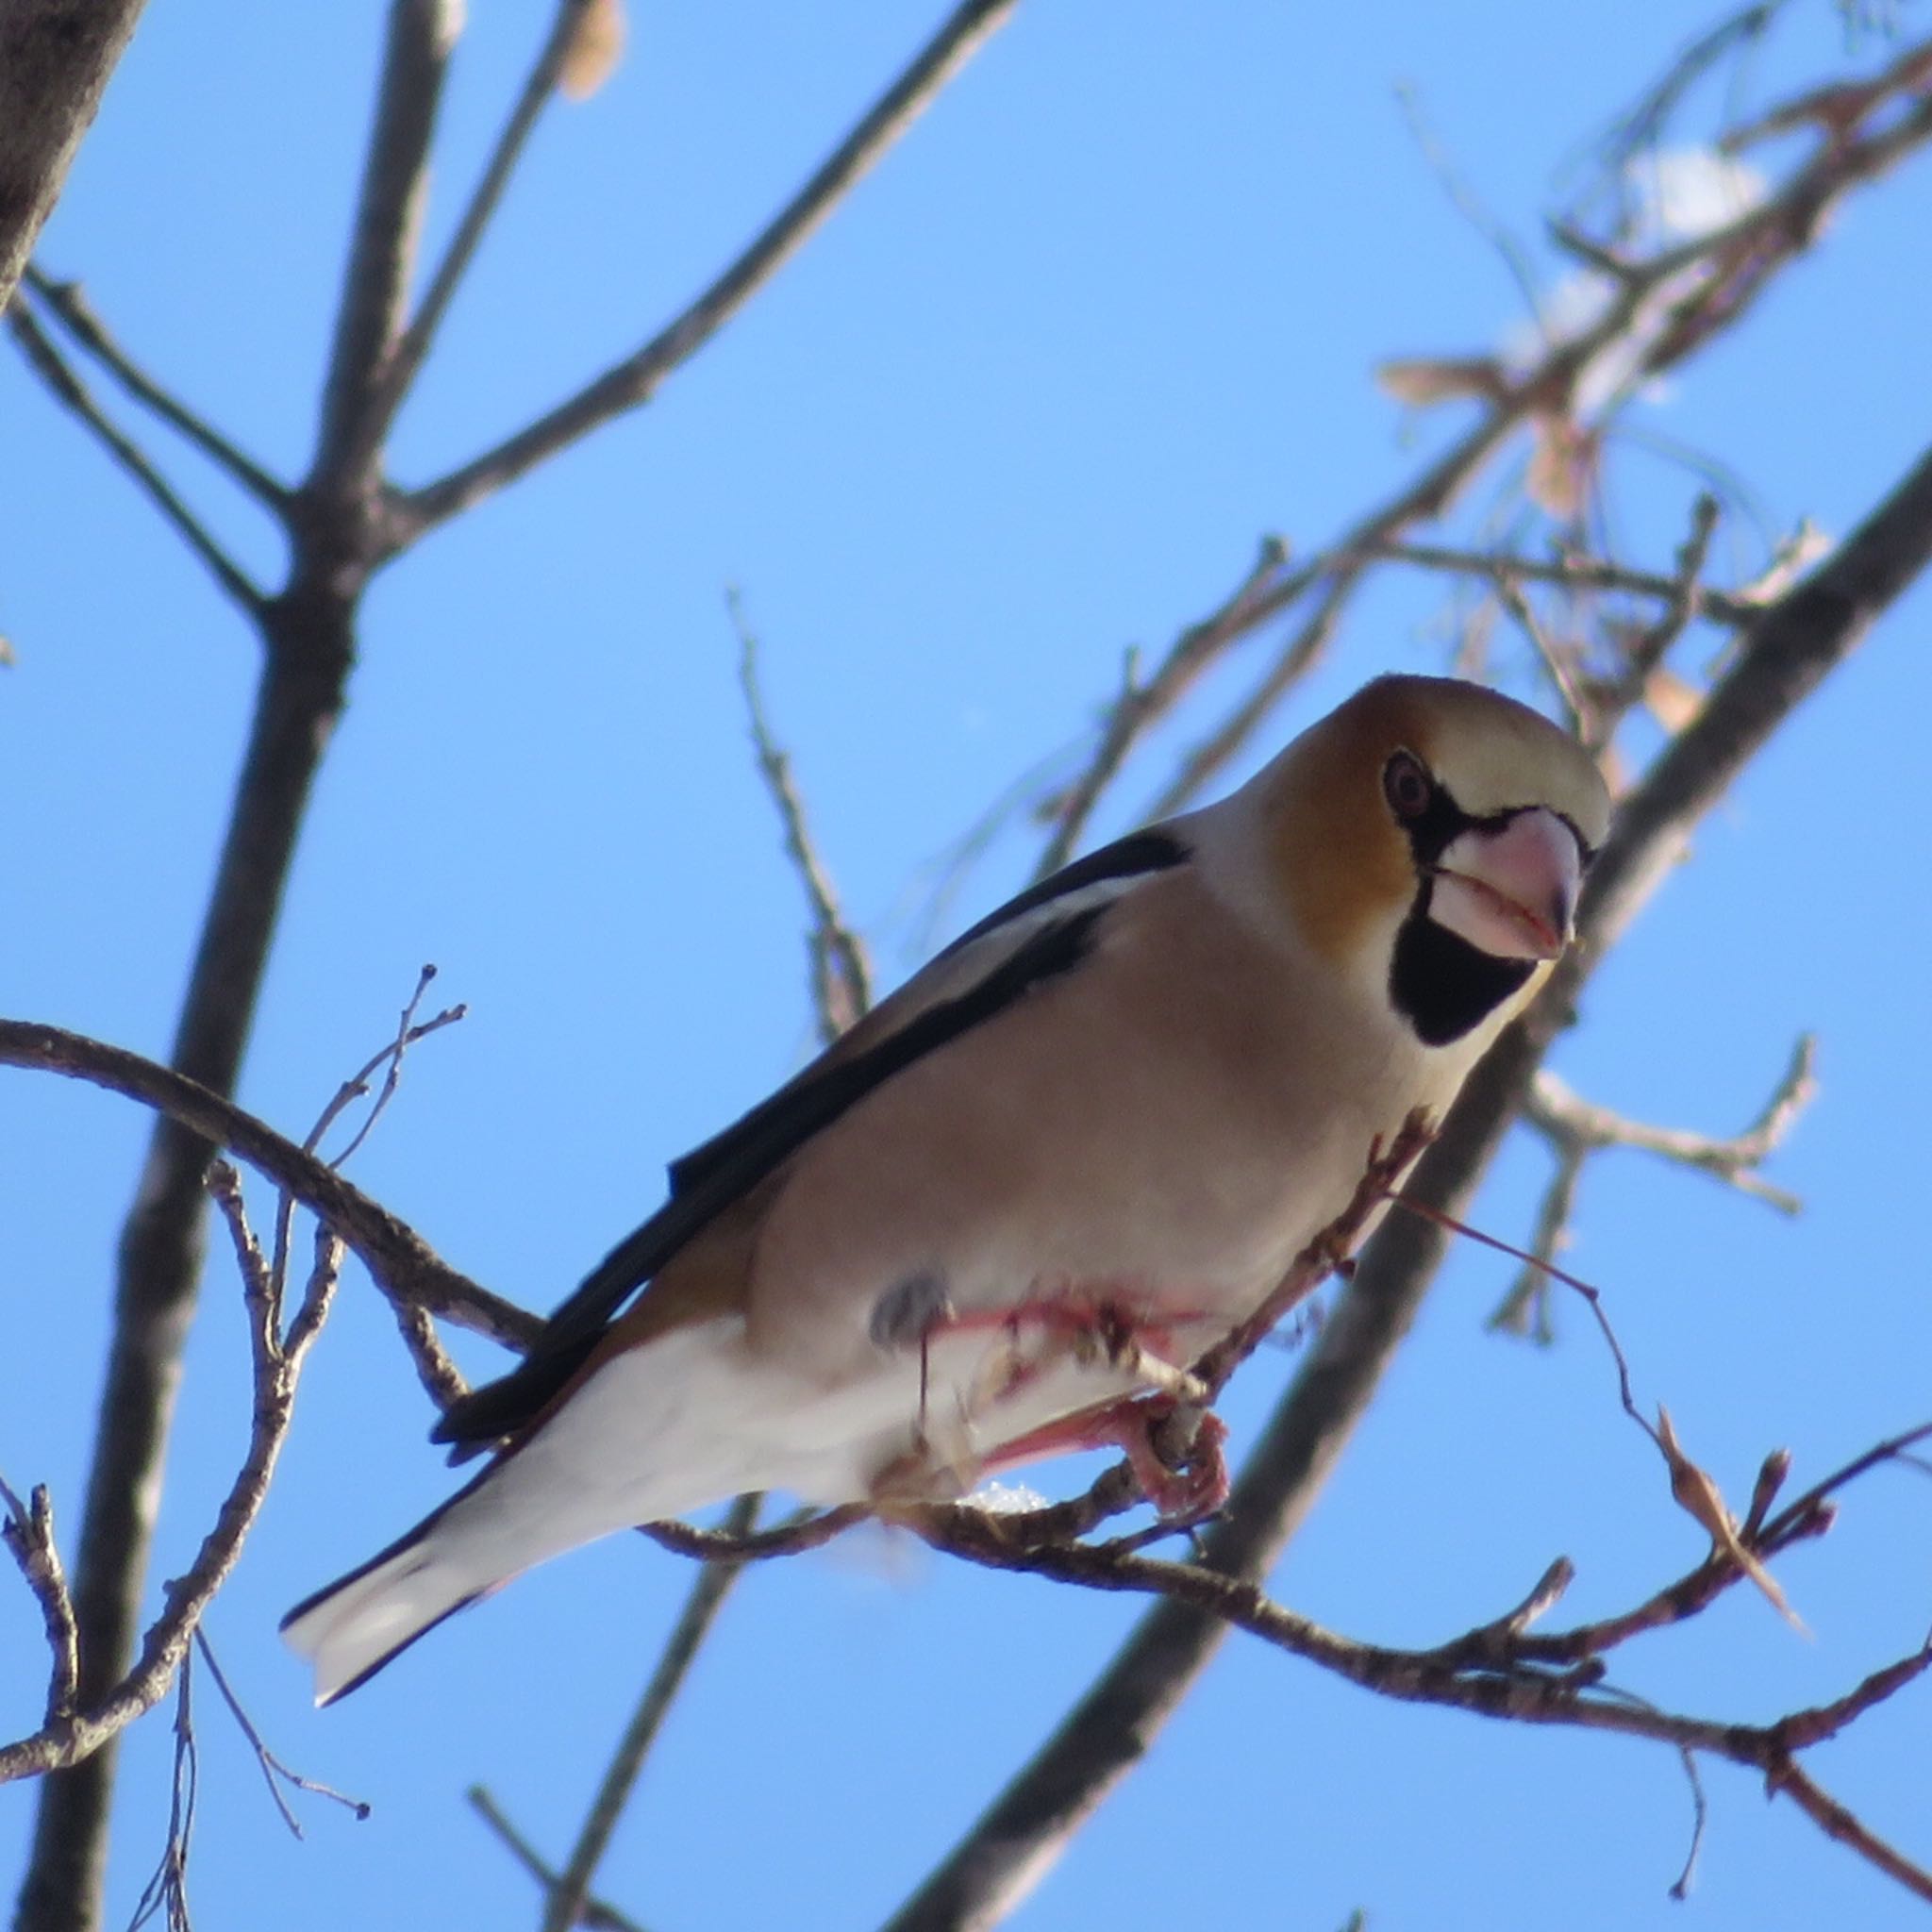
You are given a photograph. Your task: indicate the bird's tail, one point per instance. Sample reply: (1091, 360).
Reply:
(350, 1629)
(652, 1433)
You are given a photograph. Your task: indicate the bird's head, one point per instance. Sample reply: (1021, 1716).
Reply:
(1429, 836)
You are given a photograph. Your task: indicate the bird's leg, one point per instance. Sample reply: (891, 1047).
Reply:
(1171, 1442)
(1088, 1326)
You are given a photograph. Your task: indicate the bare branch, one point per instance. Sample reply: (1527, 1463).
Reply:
(71, 394)
(1575, 573)
(1525, 1309)
(274, 1773)
(633, 381)
(406, 361)
(841, 972)
(68, 302)
(1560, 661)
(593, 1912)
(1557, 1110)
(1839, 1823)
(76, 1734)
(1497, 1684)
(395, 173)
(441, 1380)
(28, 1534)
(1644, 654)
(1664, 307)
(1576, 1128)
(1341, 570)
(1142, 704)
(401, 1264)
(706, 1597)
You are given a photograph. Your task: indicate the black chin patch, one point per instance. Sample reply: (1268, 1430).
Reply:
(1443, 986)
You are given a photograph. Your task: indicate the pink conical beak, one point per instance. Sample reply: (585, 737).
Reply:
(1511, 890)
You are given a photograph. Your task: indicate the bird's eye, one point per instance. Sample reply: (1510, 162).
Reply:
(1406, 785)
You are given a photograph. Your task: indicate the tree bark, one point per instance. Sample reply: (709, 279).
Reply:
(54, 59)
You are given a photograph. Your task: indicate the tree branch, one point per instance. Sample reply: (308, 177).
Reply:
(632, 382)
(704, 1599)
(841, 972)
(1576, 1128)
(395, 176)
(1499, 1686)
(71, 394)
(69, 304)
(594, 1913)
(399, 1261)
(28, 1534)
(412, 348)
(74, 1735)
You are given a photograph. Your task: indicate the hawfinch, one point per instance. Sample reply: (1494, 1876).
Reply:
(1129, 1098)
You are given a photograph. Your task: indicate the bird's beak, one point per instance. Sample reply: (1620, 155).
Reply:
(1511, 890)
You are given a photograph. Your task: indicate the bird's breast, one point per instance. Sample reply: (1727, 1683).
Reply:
(1166, 1140)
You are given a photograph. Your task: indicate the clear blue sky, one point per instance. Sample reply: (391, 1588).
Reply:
(1107, 315)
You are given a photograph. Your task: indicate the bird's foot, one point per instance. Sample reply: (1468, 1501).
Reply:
(1176, 1453)
(1173, 1448)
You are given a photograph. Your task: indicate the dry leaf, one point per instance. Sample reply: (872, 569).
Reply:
(1421, 381)
(1673, 701)
(1700, 1497)
(595, 48)
(1563, 466)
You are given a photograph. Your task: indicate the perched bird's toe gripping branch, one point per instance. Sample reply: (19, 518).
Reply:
(1158, 1068)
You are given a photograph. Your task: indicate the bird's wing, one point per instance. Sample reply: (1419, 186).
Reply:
(1043, 932)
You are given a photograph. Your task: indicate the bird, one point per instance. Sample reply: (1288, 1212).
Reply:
(1074, 1150)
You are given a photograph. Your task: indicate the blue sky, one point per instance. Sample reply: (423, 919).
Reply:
(1108, 314)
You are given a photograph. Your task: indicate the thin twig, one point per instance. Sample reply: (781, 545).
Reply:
(275, 1772)
(68, 302)
(1700, 1817)
(1143, 703)
(28, 1534)
(406, 361)
(76, 1734)
(1576, 1128)
(702, 1604)
(354, 1088)
(1575, 572)
(401, 1263)
(167, 1889)
(1517, 1692)
(633, 381)
(73, 395)
(594, 1913)
(1559, 664)
(841, 971)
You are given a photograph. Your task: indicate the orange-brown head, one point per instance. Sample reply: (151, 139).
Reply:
(1430, 836)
